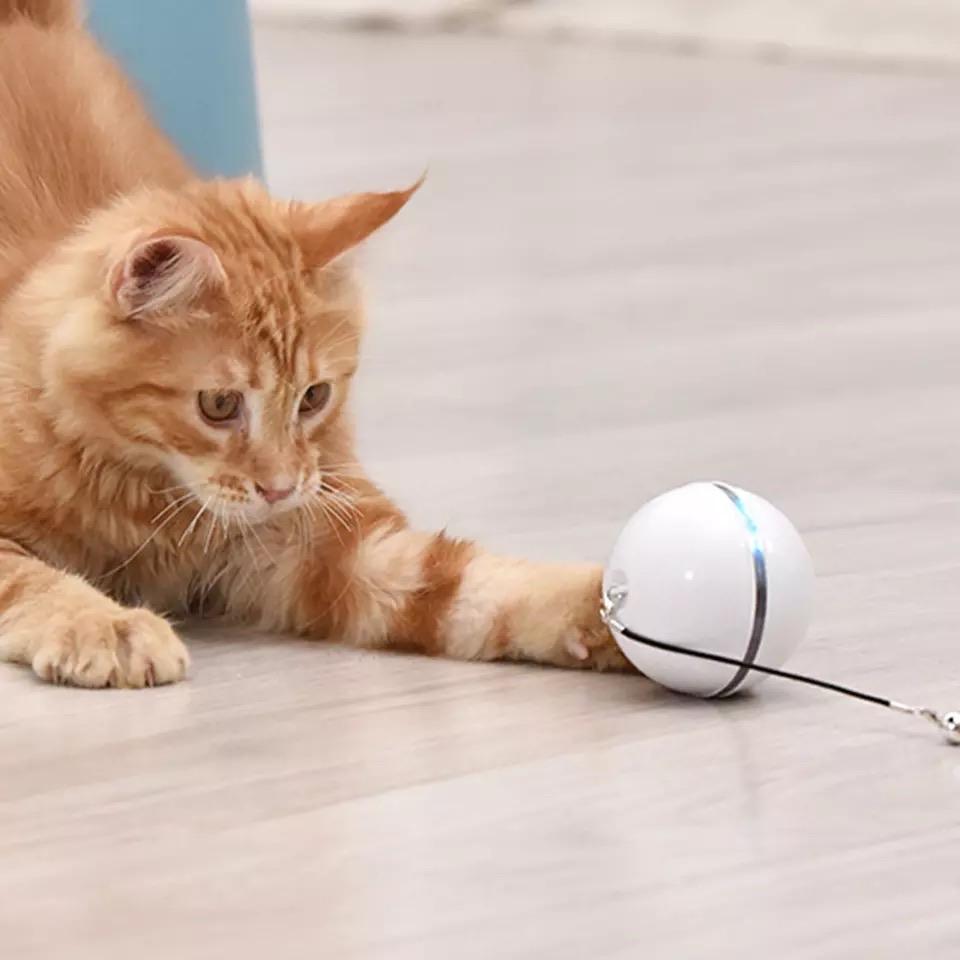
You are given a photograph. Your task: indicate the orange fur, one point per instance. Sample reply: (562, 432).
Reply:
(161, 443)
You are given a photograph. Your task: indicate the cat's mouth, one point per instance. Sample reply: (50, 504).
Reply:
(227, 499)
(258, 504)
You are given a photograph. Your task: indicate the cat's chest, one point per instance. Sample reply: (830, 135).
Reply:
(131, 558)
(186, 574)
(146, 571)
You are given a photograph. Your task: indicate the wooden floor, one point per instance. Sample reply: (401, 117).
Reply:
(626, 271)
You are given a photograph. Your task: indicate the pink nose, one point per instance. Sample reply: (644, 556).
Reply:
(273, 495)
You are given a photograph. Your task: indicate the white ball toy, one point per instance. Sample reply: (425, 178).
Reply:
(712, 568)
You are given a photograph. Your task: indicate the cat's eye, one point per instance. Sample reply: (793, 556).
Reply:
(314, 398)
(219, 406)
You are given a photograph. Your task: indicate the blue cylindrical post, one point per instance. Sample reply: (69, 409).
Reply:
(193, 62)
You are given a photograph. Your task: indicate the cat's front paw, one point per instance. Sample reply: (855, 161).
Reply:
(564, 621)
(108, 646)
(592, 647)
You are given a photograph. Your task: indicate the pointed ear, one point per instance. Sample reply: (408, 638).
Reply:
(164, 274)
(326, 230)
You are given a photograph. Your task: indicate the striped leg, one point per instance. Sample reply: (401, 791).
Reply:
(402, 589)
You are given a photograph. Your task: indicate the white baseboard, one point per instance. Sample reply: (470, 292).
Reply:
(379, 13)
(905, 30)
(926, 31)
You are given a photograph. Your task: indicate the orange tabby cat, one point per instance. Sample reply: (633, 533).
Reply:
(175, 368)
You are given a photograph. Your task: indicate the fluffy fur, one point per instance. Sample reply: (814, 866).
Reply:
(176, 359)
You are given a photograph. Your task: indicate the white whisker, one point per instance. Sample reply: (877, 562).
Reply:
(170, 506)
(340, 481)
(213, 526)
(208, 587)
(194, 522)
(143, 546)
(336, 513)
(179, 486)
(342, 504)
(256, 535)
(246, 543)
(330, 518)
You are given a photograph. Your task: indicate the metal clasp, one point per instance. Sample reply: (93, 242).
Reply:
(614, 598)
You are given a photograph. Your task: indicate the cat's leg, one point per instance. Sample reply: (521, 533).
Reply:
(69, 632)
(398, 588)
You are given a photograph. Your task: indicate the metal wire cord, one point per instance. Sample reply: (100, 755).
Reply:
(947, 723)
(772, 671)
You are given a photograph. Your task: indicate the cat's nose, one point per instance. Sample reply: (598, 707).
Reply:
(273, 494)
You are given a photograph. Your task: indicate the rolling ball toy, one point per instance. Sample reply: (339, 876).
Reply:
(711, 567)
(709, 588)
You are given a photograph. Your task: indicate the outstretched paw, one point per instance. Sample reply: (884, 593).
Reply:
(108, 646)
(563, 624)
(593, 648)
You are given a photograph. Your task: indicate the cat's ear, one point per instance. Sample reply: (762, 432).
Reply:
(326, 230)
(164, 274)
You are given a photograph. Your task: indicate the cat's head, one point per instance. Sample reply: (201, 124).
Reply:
(213, 333)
